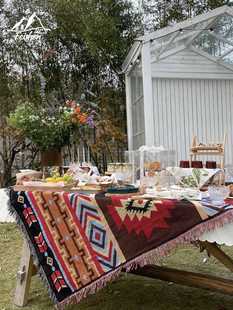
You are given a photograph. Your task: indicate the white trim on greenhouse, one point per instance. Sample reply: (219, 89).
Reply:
(179, 83)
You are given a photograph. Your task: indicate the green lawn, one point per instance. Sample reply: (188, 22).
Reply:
(127, 293)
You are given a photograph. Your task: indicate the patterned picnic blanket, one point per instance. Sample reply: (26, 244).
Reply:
(82, 242)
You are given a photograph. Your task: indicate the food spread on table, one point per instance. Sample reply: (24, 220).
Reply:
(150, 173)
(78, 177)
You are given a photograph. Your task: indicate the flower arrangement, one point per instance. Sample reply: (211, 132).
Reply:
(78, 116)
(50, 128)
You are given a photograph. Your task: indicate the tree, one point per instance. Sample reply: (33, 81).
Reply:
(158, 14)
(81, 54)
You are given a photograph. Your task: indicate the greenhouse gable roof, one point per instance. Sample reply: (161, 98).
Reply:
(211, 34)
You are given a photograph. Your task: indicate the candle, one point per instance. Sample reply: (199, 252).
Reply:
(196, 164)
(78, 156)
(83, 154)
(88, 154)
(184, 164)
(211, 165)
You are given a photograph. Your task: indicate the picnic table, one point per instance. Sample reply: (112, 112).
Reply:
(78, 243)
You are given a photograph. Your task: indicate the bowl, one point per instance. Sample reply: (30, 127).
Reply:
(218, 193)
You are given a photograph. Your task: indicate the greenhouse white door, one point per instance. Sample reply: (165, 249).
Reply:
(185, 107)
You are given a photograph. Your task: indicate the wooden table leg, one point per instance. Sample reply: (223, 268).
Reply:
(214, 250)
(27, 269)
(194, 279)
(186, 278)
(24, 275)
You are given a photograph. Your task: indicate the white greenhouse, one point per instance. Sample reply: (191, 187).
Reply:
(179, 83)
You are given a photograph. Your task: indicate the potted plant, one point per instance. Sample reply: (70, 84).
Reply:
(50, 128)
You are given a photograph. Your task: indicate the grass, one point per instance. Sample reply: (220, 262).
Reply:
(127, 293)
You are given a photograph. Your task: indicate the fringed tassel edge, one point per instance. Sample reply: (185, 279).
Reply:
(90, 289)
(40, 272)
(151, 257)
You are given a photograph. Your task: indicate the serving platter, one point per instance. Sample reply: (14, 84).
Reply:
(52, 187)
(41, 188)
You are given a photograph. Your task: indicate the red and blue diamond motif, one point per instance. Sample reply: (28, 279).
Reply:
(91, 220)
(97, 236)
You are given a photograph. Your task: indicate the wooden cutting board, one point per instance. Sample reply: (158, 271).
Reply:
(44, 188)
(19, 188)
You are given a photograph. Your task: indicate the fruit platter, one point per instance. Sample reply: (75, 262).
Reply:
(75, 179)
(53, 183)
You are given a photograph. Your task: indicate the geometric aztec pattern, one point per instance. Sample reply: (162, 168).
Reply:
(82, 241)
(93, 223)
(138, 215)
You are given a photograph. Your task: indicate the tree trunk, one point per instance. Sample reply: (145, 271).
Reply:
(7, 175)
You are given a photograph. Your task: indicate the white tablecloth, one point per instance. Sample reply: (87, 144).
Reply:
(4, 214)
(223, 235)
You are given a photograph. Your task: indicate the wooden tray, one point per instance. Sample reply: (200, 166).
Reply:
(130, 195)
(42, 188)
(68, 188)
(148, 197)
(201, 149)
(87, 189)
